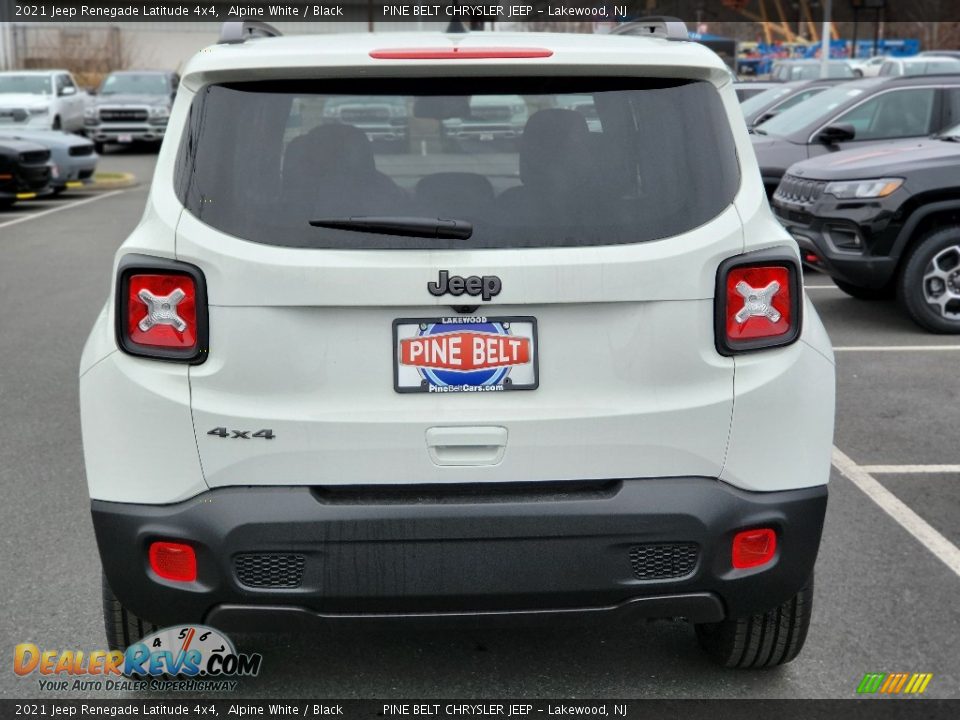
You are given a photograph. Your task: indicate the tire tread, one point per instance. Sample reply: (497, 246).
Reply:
(122, 627)
(909, 297)
(763, 640)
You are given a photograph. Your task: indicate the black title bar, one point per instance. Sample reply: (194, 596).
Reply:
(432, 709)
(692, 11)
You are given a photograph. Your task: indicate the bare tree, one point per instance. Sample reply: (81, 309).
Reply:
(87, 52)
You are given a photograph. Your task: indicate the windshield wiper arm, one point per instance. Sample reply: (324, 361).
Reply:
(406, 226)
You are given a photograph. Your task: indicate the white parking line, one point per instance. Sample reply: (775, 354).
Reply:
(896, 348)
(909, 469)
(936, 543)
(34, 216)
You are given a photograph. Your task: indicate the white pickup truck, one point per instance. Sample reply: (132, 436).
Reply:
(41, 99)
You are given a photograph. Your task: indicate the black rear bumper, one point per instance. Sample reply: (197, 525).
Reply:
(638, 548)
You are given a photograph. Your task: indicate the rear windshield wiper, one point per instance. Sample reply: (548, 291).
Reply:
(405, 226)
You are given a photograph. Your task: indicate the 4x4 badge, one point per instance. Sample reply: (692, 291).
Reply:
(487, 286)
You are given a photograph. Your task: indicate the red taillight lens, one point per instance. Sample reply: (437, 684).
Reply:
(757, 303)
(162, 311)
(752, 548)
(173, 561)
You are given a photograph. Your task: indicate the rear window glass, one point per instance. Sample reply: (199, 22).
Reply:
(525, 162)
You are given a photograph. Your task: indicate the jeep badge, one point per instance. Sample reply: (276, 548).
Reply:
(487, 286)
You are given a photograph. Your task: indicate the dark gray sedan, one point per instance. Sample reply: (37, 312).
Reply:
(853, 115)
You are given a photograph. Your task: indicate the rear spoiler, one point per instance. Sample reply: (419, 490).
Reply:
(239, 32)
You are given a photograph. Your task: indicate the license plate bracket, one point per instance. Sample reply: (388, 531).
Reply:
(465, 354)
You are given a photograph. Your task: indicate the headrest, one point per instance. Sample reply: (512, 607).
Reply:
(555, 142)
(340, 149)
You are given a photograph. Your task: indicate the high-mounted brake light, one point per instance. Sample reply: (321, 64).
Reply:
(173, 561)
(757, 302)
(753, 548)
(460, 53)
(161, 309)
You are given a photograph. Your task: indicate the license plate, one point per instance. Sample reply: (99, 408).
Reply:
(124, 138)
(486, 137)
(465, 354)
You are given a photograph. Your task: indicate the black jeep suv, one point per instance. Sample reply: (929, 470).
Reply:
(884, 221)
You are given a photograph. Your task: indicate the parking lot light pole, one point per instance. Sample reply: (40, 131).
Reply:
(825, 35)
(7, 48)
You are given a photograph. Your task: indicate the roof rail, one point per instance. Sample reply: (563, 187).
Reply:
(662, 26)
(238, 32)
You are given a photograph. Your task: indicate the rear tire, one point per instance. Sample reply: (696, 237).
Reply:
(862, 293)
(929, 286)
(761, 641)
(100, 148)
(122, 627)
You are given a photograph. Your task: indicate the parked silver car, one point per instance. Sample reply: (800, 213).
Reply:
(786, 70)
(920, 65)
(73, 158)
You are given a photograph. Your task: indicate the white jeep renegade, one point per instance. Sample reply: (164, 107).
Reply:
(563, 371)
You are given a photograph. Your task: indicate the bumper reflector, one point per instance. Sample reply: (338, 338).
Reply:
(752, 548)
(173, 561)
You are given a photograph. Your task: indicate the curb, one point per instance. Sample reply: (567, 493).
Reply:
(112, 181)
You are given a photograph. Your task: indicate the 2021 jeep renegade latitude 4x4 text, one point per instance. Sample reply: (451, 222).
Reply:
(571, 373)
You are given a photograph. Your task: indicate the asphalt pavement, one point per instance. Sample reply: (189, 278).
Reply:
(886, 591)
